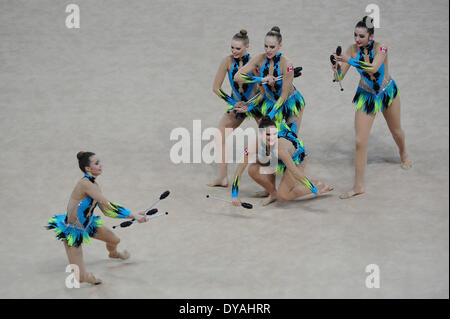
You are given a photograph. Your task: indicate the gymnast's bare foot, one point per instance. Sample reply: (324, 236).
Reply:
(352, 193)
(406, 163)
(90, 279)
(220, 182)
(323, 188)
(270, 199)
(123, 255)
(261, 194)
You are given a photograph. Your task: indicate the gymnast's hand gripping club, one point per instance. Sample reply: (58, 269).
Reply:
(360, 65)
(248, 78)
(337, 75)
(245, 205)
(234, 102)
(150, 215)
(149, 211)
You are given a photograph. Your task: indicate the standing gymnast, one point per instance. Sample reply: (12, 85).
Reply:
(377, 92)
(281, 101)
(240, 93)
(281, 145)
(79, 224)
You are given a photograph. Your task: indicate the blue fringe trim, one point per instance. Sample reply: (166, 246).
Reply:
(291, 107)
(74, 235)
(371, 103)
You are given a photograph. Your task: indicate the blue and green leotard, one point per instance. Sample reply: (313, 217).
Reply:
(271, 104)
(375, 93)
(239, 93)
(286, 131)
(86, 224)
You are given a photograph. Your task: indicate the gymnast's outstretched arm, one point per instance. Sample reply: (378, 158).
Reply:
(249, 153)
(251, 66)
(108, 208)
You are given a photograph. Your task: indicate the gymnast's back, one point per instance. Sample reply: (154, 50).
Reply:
(80, 202)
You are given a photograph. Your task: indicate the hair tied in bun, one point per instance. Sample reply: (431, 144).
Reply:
(275, 29)
(242, 36)
(368, 22)
(80, 154)
(84, 160)
(275, 32)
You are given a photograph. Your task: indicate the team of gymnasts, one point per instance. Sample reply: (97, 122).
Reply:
(262, 89)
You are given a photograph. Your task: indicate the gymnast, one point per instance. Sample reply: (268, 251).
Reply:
(240, 93)
(79, 224)
(282, 146)
(377, 92)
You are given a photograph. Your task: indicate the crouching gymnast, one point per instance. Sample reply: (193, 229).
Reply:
(79, 224)
(282, 146)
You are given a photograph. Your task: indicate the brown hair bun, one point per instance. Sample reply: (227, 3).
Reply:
(242, 36)
(276, 29)
(275, 32)
(80, 155)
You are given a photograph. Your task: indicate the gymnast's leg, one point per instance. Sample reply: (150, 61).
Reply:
(392, 116)
(290, 188)
(228, 121)
(111, 240)
(75, 256)
(363, 125)
(265, 180)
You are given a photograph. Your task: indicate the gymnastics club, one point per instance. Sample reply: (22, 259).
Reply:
(245, 205)
(133, 221)
(253, 98)
(249, 101)
(297, 73)
(148, 213)
(333, 61)
(163, 195)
